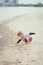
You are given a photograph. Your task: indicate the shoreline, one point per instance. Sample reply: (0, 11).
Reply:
(22, 54)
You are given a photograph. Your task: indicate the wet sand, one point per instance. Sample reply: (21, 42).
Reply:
(21, 54)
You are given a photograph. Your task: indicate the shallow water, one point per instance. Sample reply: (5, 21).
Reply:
(9, 12)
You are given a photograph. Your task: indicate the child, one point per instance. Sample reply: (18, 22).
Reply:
(26, 38)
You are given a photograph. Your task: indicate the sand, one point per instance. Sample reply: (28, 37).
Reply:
(21, 54)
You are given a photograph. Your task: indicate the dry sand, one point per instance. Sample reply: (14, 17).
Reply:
(22, 54)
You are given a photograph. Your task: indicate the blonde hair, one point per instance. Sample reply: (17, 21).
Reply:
(19, 33)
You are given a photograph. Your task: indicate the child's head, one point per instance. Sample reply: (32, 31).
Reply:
(20, 34)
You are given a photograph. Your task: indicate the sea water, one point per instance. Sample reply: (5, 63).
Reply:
(10, 12)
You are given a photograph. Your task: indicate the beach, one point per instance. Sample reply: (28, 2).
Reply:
(21, 54)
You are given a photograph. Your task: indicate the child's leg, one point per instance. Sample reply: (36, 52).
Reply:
(26, 41)
(30, 39)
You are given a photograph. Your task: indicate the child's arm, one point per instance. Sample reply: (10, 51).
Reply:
(19, 41)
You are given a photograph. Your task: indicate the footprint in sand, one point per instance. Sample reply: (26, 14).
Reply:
(33, 60)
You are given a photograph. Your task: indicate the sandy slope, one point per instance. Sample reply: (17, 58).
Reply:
(22, 54)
